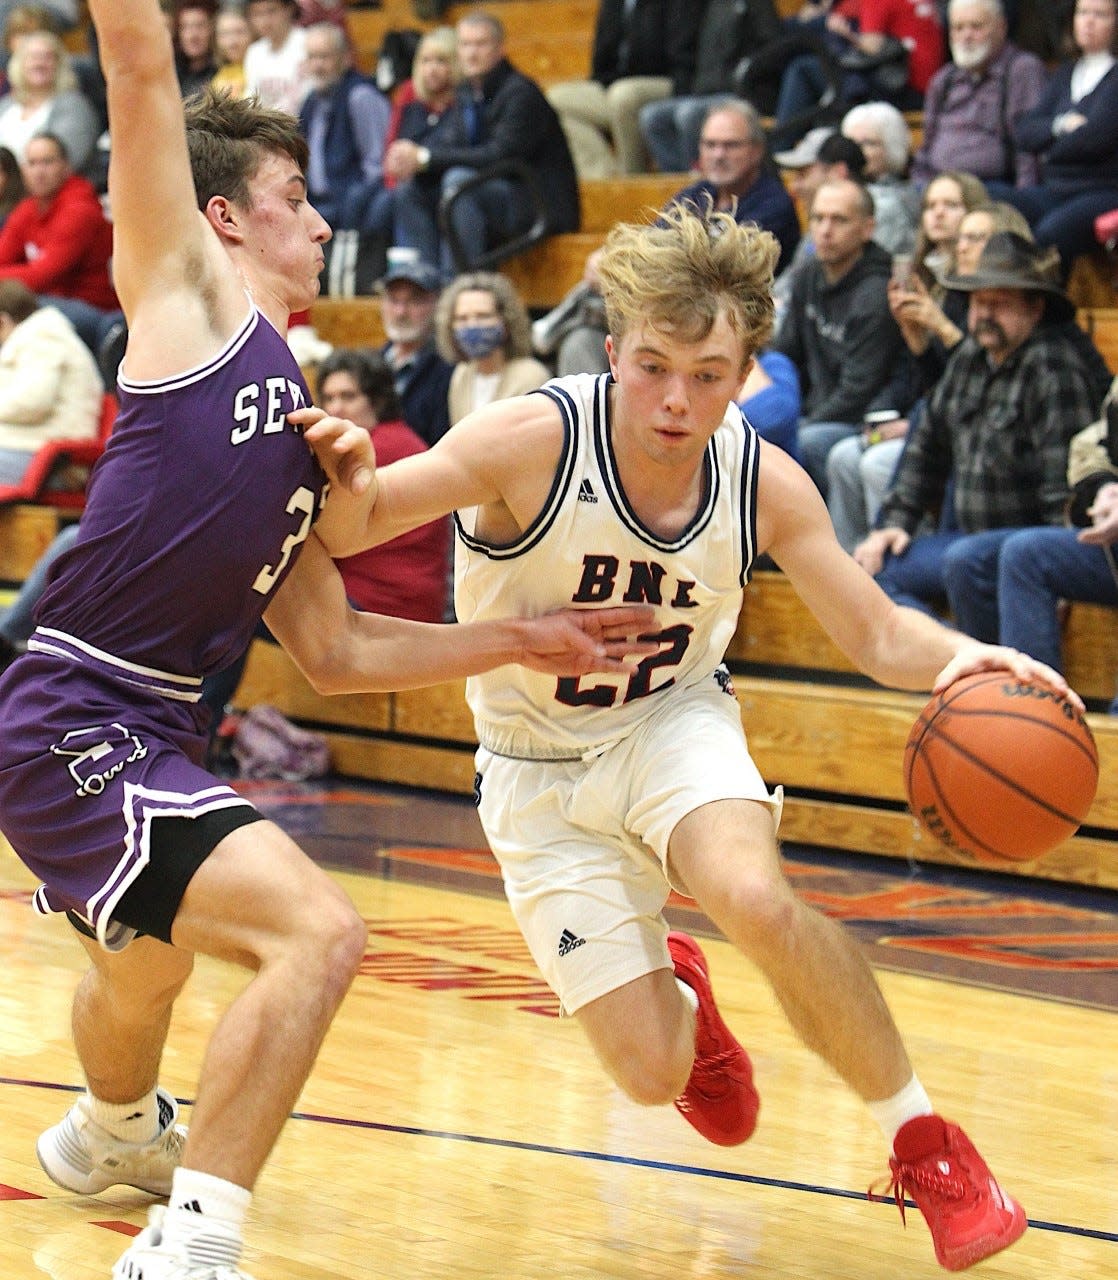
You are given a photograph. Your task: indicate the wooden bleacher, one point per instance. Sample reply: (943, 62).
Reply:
(549, 40)
(777, 636)
(26, 531)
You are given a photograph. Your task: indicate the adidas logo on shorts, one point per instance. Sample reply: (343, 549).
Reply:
(568, 941)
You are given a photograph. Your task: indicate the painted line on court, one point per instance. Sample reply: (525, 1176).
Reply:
(601, 1157)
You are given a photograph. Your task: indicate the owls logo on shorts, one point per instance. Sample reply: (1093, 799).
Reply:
(97, 755)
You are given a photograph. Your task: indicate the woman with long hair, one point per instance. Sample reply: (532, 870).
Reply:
(930, 319)
(45, 98)
(422, 101)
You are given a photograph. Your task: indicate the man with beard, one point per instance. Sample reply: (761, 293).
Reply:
(974, 101)
(408, 294)
(997, 427)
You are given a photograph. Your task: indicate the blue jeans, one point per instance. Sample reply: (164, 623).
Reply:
(1037, 568)
(970, 570)
(1002, 586)
(671, 130)
(14, 464)
(916, 577)
(815, 441)
(489, 214)
(959, 570)
(1062, 218)
(17, 621)
(801, 87)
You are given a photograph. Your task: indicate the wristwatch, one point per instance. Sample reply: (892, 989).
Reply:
(422, 157)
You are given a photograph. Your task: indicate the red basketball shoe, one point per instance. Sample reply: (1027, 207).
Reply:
(720, 1100)
(969, 1215)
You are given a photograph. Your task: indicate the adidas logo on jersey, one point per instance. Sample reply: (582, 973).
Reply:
(568, 941)
(586, 493)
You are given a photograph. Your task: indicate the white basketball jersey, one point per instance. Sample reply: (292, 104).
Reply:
(588, 548)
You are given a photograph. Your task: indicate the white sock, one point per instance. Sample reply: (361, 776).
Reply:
(688, 995)
(892, 1113)
(206, 1216)
(129, 1121)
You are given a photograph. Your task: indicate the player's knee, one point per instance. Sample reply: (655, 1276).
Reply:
(652, 1062)
(765, 911)
(337, 947)
(658, 1076)
(141, 992)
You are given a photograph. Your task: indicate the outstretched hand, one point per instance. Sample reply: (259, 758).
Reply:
(343, 449)
(574, 642)
(975, 657)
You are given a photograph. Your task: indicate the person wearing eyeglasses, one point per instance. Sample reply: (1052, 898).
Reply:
(734, 177)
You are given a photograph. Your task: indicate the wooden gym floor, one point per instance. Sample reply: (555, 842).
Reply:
(455, 1127)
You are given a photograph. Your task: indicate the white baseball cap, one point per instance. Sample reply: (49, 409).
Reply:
(806, 151)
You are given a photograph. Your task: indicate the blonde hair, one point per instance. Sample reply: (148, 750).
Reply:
(681, 273)
(514, 314)
(24, 19)
(443, 41)
(65, 78)
(1006, 217)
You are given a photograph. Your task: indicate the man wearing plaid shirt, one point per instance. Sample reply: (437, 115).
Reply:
(993, 443)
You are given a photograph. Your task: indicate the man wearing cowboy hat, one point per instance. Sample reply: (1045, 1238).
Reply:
(996, 429)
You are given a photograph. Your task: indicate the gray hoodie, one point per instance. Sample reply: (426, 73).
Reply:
(842, 338)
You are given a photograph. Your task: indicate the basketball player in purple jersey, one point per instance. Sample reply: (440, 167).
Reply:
(201, 516)
(599, 795)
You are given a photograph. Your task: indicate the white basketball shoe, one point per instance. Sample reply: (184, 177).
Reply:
(81, 1156)
(148, 1258)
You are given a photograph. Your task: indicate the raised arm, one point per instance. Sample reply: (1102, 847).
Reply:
(159, 234)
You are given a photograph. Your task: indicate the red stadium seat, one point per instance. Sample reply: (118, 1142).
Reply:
(59, 471)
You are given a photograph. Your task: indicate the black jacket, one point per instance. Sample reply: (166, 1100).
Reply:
(842, 338)
(658, 40)
(515, 121)
(423, 390)
(731, 32)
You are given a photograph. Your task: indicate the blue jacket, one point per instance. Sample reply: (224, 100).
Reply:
(423, 391)
(351, 155)
(1087, 157)
(767, 203)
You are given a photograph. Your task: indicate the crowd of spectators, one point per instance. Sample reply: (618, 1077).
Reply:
(926, 369)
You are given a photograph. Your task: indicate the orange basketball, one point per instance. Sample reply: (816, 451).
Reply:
(1000, 768)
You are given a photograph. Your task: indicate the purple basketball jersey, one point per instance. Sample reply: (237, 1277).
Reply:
(195, 513)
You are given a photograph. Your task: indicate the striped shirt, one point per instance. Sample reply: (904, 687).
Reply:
(1002, 432)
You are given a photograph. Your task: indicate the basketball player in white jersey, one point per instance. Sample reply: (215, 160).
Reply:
(599, 794)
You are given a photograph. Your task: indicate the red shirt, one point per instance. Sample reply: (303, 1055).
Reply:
(64, 249)
(917, 23)
(407, 577)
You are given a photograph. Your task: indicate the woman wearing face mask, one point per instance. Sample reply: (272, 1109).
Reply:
(483, 328)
